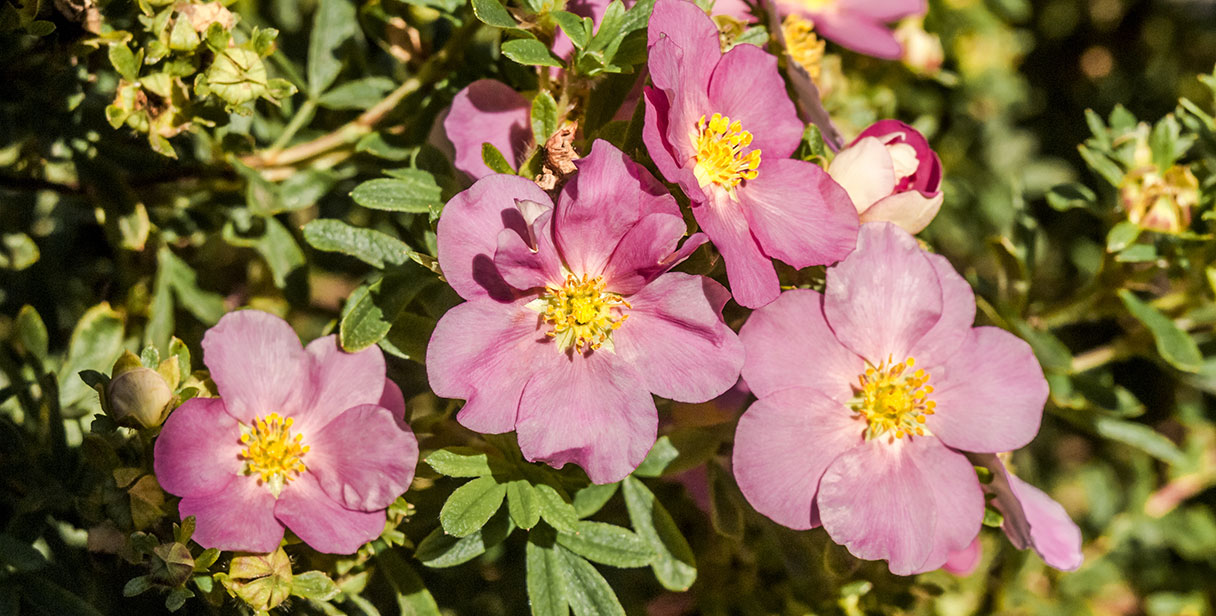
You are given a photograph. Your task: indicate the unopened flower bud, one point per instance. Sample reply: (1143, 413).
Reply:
(922, 50)
(892, 175)
(261, 580)
(1160, 202)
(138, 397)
(171, 564)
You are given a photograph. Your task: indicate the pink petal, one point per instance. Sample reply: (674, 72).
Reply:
(990, 394)
(341, 380)
(687, 101)
(602, 202)
(488, 111)
(362, 459)
(654, 134)
(885, 296)
(784, 443)
(321, 522)
(911, 210)
(884, 10)
(858, 33)
(526, 266)
(739, 9)
(469, 227)
(865, 171)
(963, 562)
(747, 88)
(958, 314)
(676, 340)
(198, 450)
(798, 214)
(647, 250)
(753, 280)
(789, 344)
(928, 176)
(393, 400)
(1055, 536)
(476, 353)
(691, 32)
(911, 502)
(258, 364)
(239, 517)
(590, 410)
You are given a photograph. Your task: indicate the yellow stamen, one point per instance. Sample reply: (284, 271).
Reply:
(720, 157)
(803, 46)
(892, 400)
(272, 453)
(582, 313)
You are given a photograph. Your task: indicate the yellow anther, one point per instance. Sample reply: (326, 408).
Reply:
(892, 401)
(582, 313)
(273, 454)
(803, 46)
(720, 156)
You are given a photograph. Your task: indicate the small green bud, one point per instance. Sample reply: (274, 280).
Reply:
(138, 397)
(171, 564)
(261, 580)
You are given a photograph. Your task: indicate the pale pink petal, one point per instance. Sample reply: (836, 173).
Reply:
(322, 523)
(1056, 537)
(739, 9)
(884, 10)
(647, 250)
(687, 100)
(654, 134)
(865, 171)
(601, 203)
(885, 296)
(258, 365)
(239, 517)
(198, 450)
(928, 176)
(676, 340)
(341, 380)
(362, 459)
(858, 33)
(591, 410)
(789, 344)
(476, 353)
(691, 32)
(958, 314)
(488, 111)
(798, 214)
(393, 400)
(526, 266)
(469, 227)
(963, 562)
(753, 280)
(911, 210)
(990, 394)
(748, 88)
(784, 443)
(910, 502)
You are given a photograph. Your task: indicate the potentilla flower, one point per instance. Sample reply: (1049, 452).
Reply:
(868, 393)
(312, 439)
(722, 126)
(859, 25)
(892, 175)
(573, 319)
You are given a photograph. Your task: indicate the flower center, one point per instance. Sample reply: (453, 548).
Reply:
(893, 398)
(720, 157)
(582, 313)
(271, 453)
(804, 47)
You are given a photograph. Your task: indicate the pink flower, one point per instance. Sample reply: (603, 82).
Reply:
(892, 175)
(722, 126)
(858, 25)
(1032, 518)
(963, 562)
(488, 111)
(868, 393)
(311, 439)
(573, 318)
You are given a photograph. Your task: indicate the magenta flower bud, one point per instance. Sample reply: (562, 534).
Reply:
(892, 175)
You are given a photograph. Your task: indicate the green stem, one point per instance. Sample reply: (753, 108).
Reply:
(303, 116)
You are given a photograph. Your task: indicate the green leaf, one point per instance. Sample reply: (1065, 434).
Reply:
(50, 598)
(30, 332)
(206, 306)
(313, 585)
(471, 505)
(555, 507)
(368, 245)
(492, 13)
(20, 251)
(19, 555)
(587, 591)
(495, 160)
(125, 62)
(530, 52)
(574, 26)
(592, 498)
(679, 451)
(439, 549)
(280, 250)
(1121, 236)
(1102, 165)
(674, 566)
(523, 503)
(409, 336)
(1163, 143)
(1174, 345)
(413, 599)
(607, 544)
(334, 23)
(546, 575)
(357, 95)
(726, 508)
(459, 462)
(96, 343)
(992, 517)
(1070, 196)
(371, 310)
(413, 190)
(1141, 437)
(544, 117)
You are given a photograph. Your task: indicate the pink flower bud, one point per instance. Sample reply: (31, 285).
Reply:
(891, 175)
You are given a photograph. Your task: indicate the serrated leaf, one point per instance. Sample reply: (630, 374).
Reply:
(367, 245)
(439, 549)
(586, 590)
(1174, 345)
(459, 462)
(546, 575)
(544, 117)
(418, 193)
(334, 23)
(523, 503)
(674, 564)
(607, 544)
(530, 52)
(492, 13)
(472, 505)
(679, 451)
